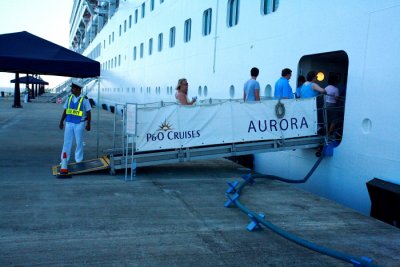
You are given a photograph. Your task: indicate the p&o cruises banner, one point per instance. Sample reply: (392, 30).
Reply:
(177, 126)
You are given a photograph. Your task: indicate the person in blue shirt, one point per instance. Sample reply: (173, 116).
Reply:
(251, 88)
(282, 86)
(310, 88)
(300, 81)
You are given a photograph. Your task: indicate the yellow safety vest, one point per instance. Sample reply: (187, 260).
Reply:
(76, 112)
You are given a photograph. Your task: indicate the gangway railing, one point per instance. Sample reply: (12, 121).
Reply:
(62, 90)
(123, 159)
(158, 133)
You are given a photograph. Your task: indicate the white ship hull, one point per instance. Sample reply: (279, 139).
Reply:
(358, 40)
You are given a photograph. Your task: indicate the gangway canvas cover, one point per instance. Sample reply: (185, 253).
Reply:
(172, 126)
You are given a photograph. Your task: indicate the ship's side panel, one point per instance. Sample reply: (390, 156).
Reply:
(363, 35)
(370, 146)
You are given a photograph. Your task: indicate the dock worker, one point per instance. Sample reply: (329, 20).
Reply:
(283, 90)
(77, 114)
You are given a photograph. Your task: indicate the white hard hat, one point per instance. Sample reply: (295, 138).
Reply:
(77, 84)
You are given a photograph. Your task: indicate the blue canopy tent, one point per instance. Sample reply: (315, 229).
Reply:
(35, 82)
(23, 52)
(29, 80)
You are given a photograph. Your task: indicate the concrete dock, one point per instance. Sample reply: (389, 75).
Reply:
(170, 215)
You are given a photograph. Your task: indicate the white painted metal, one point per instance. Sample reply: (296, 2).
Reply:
(358, 39)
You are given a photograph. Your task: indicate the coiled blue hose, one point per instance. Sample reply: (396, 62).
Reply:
(356, 261)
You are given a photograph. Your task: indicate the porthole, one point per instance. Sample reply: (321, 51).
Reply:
(232, 91)
(267, 91)
(366, 126)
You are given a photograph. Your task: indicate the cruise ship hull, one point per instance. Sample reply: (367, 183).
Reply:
(359, 41)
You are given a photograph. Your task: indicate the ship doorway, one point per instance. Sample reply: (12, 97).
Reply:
(327, 66)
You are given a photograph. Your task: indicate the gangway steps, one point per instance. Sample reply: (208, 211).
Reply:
(120, 159)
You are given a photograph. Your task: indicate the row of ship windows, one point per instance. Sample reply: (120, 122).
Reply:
(201, 92)
(268, 6)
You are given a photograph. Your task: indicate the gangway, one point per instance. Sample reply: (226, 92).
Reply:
(160, 133)
(120, 160)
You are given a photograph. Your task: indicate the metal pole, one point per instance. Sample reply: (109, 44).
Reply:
(98, 116)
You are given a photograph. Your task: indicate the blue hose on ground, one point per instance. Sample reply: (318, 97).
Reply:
(273, 177)
(237, 189)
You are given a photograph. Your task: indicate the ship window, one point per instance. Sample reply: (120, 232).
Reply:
(160, 42)
(150, 46)
(120, 30)
(267, 91)
(143, 9)
(199, 91)
(136, 15)
(172, 37)
(112, 37)
(104, 44)
(141, 50)
(161, 1)
(205, 91)
(119, 60)
(151, 5)
(232, 91)
(207, 14)
(187, 30)
(125, 26)
(134, 53)
(233, 13)
(130, 21)
(269, 6)
(109, 39)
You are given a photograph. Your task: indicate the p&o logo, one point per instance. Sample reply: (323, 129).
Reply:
(166, 132)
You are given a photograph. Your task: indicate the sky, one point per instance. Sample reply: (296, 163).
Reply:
(48, 19)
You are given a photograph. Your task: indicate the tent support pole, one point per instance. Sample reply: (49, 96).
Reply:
(98, 115)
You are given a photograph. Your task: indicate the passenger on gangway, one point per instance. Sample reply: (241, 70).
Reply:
(310, 88)
(331, 100)
(181, 93)
(282, 86)
(300, 81)
(251, 88)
